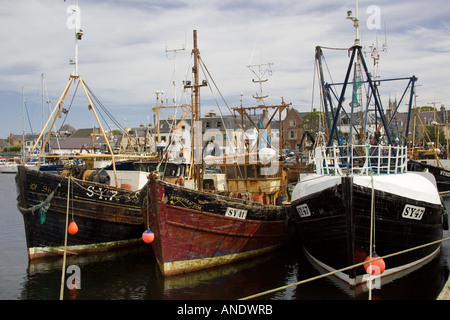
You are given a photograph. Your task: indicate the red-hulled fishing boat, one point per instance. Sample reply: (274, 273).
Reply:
(200, 225)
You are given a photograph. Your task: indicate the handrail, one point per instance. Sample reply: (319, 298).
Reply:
(361, 159)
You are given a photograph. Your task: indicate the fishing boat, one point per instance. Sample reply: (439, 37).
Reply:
(441, 174)
(209, 218)
(362, 201)
(9, 167)
(102, 204)
(430, 159)
(106, 217)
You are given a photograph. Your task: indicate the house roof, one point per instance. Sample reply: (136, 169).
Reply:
(68, 128)
(222, 123)
(85, 133)
(78, 140)
(71, 143)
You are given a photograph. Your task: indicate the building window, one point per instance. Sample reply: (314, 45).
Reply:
(292, 123)
(293, 134)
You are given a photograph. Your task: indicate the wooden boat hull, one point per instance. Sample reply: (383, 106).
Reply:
(107, 217)
(334, 221)
(198, 230)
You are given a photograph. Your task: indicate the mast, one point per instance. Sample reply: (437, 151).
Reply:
(183, 47)
(260, 80)
(263, 126)
(58, 107)
(42, 99)
(355, 23)
(358, 62)
(23, 126)
(78, 35)
(196, 115)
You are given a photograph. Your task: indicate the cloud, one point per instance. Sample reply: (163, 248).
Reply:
(123, 54)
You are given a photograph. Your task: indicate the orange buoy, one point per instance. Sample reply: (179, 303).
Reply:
(148, 236)
(376, 267)
(73, 228)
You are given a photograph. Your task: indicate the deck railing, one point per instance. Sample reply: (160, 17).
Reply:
(361, 160)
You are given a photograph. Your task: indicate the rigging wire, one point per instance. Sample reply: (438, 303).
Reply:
(220, 93)
(105, 110)
(70, 105)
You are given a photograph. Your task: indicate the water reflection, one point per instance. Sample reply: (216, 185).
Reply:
(423, 281)
(120, 274)
(134, 275)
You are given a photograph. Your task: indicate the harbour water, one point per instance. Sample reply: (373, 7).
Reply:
(132, 274)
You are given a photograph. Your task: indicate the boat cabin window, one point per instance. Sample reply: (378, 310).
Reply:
(172, 170)
(208, 184)
(229, 172)
(251, 171)
(241, 172)
(265, 171)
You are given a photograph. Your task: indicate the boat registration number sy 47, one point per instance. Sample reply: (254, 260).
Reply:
(303, 210)
(413, 212)
(236, 213)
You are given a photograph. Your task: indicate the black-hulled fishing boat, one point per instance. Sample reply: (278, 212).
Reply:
(106, 216)
(101, 205)
(441, 174)
(362, 201)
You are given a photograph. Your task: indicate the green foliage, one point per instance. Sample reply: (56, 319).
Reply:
(313, 121)
(434, 134)
(12, 149)
(426, 108)
(117, 132)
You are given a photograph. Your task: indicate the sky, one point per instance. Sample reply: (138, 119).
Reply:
(131, 49)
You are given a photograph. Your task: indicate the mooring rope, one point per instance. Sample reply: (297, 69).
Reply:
(42, 205)
(63, 275)
(372, 230)
(341, 270)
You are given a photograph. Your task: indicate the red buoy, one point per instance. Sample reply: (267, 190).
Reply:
(148, 236)
(73, 228)
(377, 267)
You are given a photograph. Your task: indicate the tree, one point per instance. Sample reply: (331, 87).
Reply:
(311, 122)
(434, 134)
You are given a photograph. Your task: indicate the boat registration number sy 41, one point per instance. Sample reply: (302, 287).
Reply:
(236, 213)
(413, 212)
